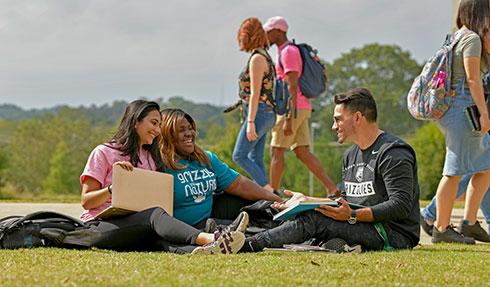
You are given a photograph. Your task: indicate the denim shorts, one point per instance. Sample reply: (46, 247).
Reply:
(467, 151)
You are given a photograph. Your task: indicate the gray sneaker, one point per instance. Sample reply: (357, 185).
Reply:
(425, 225)
(451, 236)
(339, 245)
(226, 243)
(475, 231)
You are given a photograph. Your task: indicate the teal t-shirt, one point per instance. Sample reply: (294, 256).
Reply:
(194, 187)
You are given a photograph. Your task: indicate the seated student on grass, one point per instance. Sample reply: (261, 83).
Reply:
(379, 172)
(199, 174)
(136, 144)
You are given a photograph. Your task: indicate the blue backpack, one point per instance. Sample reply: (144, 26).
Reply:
(281, 97)
(313, 81)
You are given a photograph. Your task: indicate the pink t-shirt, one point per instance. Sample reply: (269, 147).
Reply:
(99, 167)
(291, 62)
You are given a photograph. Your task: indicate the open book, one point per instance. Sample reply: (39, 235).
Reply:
(300, 206)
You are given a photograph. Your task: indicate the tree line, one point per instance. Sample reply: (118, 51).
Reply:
(43, 152)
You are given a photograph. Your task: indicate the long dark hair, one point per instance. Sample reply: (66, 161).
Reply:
(126, 138)
(475, 15)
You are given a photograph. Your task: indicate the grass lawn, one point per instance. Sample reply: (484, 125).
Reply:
(440, 265)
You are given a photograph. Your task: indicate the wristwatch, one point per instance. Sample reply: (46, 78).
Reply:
(352, 219)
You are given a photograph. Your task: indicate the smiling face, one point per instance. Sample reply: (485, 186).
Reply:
(148, 128)
(186, 137)
(344, 123)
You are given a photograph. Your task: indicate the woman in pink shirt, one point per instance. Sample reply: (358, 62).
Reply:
(136, 144)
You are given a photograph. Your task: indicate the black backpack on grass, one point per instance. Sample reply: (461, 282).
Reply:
(40, 229)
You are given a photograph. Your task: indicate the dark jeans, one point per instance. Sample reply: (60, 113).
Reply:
(151, 229)
(226, 206)
(313, 224)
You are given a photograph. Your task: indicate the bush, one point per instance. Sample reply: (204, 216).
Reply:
(430, 147)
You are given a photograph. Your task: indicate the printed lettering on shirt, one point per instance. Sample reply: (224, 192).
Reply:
(361, 189)
(197, 183)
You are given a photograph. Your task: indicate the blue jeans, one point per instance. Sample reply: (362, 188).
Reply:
(250, 155)
(429, 212)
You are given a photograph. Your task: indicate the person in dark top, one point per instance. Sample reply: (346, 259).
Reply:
(379, 172)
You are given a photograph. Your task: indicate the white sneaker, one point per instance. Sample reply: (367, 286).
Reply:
(227, 243)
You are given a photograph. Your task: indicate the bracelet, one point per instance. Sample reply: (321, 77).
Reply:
(250, 121)
(109, 188)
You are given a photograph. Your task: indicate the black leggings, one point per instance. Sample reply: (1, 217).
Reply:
(150, 229)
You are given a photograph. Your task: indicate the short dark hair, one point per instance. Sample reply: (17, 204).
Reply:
(358, 100)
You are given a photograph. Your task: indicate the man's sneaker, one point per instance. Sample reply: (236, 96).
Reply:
(451, 236)
(339, 245)
(475, 231)
(226, 243)
(425, 225)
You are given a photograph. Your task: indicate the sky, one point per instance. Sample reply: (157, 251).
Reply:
(83, 52)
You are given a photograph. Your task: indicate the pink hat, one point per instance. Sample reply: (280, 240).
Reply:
(276, 23)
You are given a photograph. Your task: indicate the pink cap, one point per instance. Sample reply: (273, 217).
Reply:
(276, 23)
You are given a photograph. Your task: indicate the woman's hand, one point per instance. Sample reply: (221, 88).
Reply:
(251, 133)
(485, 124)
(126, 165)
(294, 197)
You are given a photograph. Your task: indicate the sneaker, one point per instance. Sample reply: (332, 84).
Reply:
(239, 224)
(425, 225)
(226, 243)
(211, 226)
(475, 231)
(339, 245)
(451, 236)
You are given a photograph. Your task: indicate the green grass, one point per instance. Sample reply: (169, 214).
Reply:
(440, 265)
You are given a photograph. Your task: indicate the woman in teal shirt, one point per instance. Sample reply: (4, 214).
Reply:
(199, 174)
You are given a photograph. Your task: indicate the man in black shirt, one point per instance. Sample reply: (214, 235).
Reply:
(379, 172)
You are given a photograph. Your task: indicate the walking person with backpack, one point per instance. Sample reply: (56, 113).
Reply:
(467, 151)
(256, 85)
(292, 129)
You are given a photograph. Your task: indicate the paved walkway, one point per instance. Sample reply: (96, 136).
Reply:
(75, 209)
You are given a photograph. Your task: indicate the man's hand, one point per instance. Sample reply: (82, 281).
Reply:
(287, 127)
(294, 197)
(341, 213)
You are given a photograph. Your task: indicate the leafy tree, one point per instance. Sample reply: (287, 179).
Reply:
(387, 71)
(430, 148)
(32, 145)
(63, 174)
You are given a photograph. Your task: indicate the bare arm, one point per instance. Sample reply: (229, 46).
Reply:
(93, 195)
(472, 71)
(257, 67)
(292, 80)
(247, 189)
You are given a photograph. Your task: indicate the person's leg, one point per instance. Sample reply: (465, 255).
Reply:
(485, 208)
(277, 166)
(126, 232)
(445, 197)
(241, 153)
(314, 165)
(477, 188)
(429, 212)
(315, 225)
(257, 156)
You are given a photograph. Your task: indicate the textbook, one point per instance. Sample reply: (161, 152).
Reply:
(473, 115)
(309, 204)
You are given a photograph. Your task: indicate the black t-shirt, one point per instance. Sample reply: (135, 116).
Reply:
(384, 177)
